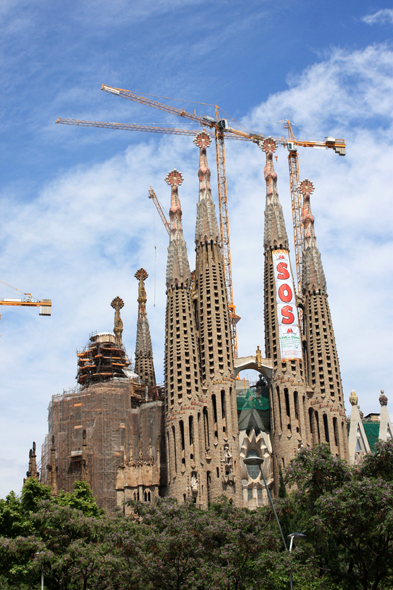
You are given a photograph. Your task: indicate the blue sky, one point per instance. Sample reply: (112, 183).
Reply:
(76, 222)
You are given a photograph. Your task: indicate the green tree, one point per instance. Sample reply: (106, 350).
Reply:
(347, 516)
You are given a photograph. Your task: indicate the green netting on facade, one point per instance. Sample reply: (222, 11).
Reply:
(253, 410)
(254, 401)
(372, 432)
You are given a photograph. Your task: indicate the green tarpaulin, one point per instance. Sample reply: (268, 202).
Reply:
(372, 432)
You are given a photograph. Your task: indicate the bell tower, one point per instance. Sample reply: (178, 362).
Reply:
(144, 366)
(186, 462)
(221, 433)
(283, 344)
(326, 413)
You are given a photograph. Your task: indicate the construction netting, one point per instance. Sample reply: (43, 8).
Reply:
(254, 409)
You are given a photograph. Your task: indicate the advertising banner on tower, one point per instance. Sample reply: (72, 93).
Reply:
(288, 321)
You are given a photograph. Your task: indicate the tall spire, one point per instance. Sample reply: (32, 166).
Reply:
(178, 268)
(143, 350)
(313, 275)
(220, 444)
(117, 304)
(275, 231)
(206, 223)
(326, 411)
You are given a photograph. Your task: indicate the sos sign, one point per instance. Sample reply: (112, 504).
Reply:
(287, 316)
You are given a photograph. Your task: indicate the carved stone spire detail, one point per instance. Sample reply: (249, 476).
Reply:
(52, 469)
(32, 473)
(178, 267)
(144, 366)
(85, 462)
(313, 274)
(206, 223)
(326, 412)
(275, 231)
(117, 305)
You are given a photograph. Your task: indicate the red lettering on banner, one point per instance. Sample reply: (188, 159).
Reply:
(281, 293)
(287, 315)
(283, 273)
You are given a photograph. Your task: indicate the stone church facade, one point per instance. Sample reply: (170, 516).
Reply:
(188, 439)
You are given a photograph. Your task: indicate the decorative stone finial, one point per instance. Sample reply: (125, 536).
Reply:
(174, 178)
(383, 400)
(202, 139)
(258, 357)
(268, 145)
(141, 275)
(117, 304)
(353, 398)
(306, 187)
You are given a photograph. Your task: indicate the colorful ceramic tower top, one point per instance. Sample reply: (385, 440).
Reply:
(206, 223)
(178, 268)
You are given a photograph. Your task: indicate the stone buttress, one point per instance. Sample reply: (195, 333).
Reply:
(186, 462)
(220, 425)
(288, 396)
(326, 414)
(144, 366)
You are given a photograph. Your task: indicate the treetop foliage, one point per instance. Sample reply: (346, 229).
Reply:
(346, 514)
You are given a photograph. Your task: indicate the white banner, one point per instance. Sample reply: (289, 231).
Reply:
(288, 321)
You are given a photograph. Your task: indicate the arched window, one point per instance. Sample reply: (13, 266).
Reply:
(253, 470)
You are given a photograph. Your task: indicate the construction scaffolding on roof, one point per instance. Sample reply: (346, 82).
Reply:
(108, 412)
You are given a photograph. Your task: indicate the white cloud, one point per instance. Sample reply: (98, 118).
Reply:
(382, 16)
(81, 239)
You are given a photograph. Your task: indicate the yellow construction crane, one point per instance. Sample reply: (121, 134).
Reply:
(296, 196)
(45, 305)
(220, 130)
(152, 195)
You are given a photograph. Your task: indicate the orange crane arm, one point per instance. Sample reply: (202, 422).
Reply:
(143, 128)
(153, 103)
(45, 305)
(152, 195)
(221, 130)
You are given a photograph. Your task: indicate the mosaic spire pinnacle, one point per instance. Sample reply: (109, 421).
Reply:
(313, 274)
(178, 268)
(275, 231)
(206, 223)
(117, 305)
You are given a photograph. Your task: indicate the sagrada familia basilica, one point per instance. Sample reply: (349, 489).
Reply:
(130, 438)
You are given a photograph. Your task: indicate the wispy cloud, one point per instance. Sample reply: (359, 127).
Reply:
(384, 16)
(88, 229)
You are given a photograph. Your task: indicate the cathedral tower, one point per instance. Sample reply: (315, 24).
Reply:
(144, 366)
(288, 398)
(186, 463)
(221, 444)
(326, 413)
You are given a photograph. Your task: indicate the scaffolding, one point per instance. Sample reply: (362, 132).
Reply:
(102, 359)
(108, 412)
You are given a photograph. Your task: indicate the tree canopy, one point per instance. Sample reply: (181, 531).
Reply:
(346, 514)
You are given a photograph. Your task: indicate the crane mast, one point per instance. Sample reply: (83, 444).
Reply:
(296, 204)
(218, 125)
(224, 230)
